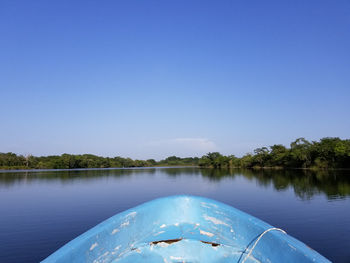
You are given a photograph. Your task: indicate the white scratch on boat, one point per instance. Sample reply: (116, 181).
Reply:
(292, 247)
(205, 205)
(132, 214)
(93, 246)
(105, 254)
(206, 233)
(156, 234)
(126, 223)
(176, 258)
(116, 230)
(211, 204)
(123, 253)
(162, 226)
(215, 220)
(228, 219)
(162, 244)
(219, 212)
(102, 257)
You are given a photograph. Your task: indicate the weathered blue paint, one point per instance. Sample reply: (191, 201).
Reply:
(183, 229)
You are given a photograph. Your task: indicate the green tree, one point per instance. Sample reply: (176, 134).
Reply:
(300, 153)
(261, 156)
(279, 155)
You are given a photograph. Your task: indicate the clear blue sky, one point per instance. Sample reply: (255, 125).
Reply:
(149, 79)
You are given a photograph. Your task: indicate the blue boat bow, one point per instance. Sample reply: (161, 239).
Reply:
(184, 229)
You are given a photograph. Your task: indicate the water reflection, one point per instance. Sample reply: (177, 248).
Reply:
(335, 184)
(42, 210)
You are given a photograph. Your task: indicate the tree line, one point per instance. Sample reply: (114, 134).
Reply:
(326, 153)
(71, 161)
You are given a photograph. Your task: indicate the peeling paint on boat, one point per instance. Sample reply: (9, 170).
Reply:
(205, 205)
(132, 214)
(176, 258)
(291, 246)
(93, 246)
(206, 233)
(193, 229)
(116, 230)
(162, 244)
(215, 220)
(160, 232)
(126, 223)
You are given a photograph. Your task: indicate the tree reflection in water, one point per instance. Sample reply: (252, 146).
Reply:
(335, 184)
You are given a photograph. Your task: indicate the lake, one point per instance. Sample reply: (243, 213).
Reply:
(42, 210)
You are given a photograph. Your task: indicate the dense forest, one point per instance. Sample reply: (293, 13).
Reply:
(326, 153)
(70, 161)
(323, 154)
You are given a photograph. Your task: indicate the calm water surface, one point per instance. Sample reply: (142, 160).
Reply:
(41, 211)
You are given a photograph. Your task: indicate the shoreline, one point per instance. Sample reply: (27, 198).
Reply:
(24, 169)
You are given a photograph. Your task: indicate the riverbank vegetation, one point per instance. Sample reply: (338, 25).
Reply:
(323, 154)
(70, 161)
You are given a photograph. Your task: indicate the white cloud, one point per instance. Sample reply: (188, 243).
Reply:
(183, 146)
(201, 144)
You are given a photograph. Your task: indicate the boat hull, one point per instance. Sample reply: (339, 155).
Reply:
(184, 229)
